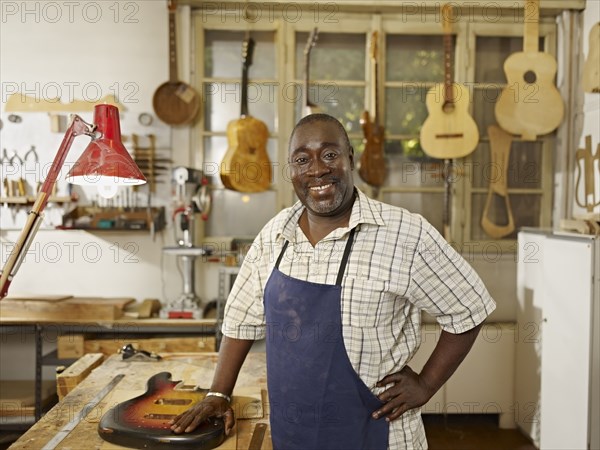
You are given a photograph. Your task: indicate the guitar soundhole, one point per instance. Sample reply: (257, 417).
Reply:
(448, 107)
(530, 77)
(155, 416)
(252, 150)
(173, 401)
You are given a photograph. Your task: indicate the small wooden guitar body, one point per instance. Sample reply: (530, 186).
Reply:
(143, 421)
(246, 166)
(449, 131)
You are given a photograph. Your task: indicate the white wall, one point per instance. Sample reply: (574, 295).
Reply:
(86, 51)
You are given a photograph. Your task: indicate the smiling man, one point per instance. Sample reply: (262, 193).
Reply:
(336, 284)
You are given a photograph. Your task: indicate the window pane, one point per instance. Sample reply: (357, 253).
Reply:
(490, 54)
(223, 54)
(222, 103)
(344, 103)
(484, 102)
(336, 56)
(524, 166)
(525, 209)
(405, 109)
(412, 58)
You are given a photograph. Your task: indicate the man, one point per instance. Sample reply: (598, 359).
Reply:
(336, 284)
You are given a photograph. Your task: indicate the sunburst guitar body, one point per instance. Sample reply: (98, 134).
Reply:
(143, 421)
(246, 166)
(530, 105)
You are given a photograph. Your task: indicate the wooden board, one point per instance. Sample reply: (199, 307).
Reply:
(38, 298)
(76, 373)
(17, 397)
(77, 345)
(86, 308)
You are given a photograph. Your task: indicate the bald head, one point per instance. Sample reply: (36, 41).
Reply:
(321, 117)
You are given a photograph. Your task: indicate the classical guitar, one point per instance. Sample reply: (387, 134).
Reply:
(246, 166)
(143, 421)
(591, 68)
(449, 131)
(372, 161)
(500, 142)
(309, 107)
(530, 105)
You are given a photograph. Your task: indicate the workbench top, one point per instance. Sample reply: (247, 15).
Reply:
(193, 368)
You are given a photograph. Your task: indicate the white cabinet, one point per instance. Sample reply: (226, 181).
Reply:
(559, 282)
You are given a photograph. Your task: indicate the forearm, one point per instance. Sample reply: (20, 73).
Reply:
(232, 354)
(449, 352)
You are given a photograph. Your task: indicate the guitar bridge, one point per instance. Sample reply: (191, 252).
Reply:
(449, 135)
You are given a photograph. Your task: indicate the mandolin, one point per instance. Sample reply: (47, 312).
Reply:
(143, 421)
(309, 107)
(175, 102)
(591, 68)
(530, 105)
(372, 161)
(449, 131)
(500, 143)
(246, 166)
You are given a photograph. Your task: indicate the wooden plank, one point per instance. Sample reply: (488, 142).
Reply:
(39, 298)
(76, 373)
(77, 308)
(17, 397)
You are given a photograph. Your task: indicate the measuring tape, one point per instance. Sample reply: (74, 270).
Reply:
(64, 431)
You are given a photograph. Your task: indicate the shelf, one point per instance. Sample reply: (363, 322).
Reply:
(30, 200)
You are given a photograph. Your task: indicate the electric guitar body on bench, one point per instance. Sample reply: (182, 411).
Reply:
(143, 421)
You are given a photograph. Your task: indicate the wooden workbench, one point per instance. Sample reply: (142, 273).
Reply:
(196, 368)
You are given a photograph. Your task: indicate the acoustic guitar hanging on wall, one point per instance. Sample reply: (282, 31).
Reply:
(449, 131)
(530, 105)
(175, 102)
(372, 161)
(246, 166)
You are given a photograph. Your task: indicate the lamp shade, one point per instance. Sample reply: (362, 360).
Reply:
(106, 161)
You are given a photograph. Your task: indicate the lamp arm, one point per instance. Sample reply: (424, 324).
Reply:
(34, 219)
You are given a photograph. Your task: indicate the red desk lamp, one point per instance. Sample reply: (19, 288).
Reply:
(104, 163)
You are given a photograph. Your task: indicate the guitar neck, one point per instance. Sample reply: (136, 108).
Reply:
(244, 100)
(305, 95)
(375, 93)
(448, 78)
(172, 47)
(531, 26)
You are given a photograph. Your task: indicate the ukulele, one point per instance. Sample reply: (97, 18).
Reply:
(591, 68)
(500, 142)
(449, 131)
(143, 421)
(246, 166)
(372, 161)
(530, 105)
(309, 107)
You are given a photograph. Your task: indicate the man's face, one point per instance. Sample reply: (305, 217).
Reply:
(321, 168)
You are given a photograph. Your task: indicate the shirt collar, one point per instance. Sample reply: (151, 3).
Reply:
(364, 211)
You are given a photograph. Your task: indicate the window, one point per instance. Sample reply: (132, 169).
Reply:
(410, 63)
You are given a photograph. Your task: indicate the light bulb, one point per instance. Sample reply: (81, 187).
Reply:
(107, 190)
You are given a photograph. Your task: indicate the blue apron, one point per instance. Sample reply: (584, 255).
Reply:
(317, 400)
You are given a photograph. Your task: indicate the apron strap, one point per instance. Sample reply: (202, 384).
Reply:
(343, 264)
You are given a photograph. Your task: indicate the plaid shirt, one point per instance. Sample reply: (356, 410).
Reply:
(398, 266)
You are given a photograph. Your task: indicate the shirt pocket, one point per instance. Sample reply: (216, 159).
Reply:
(366, 302)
